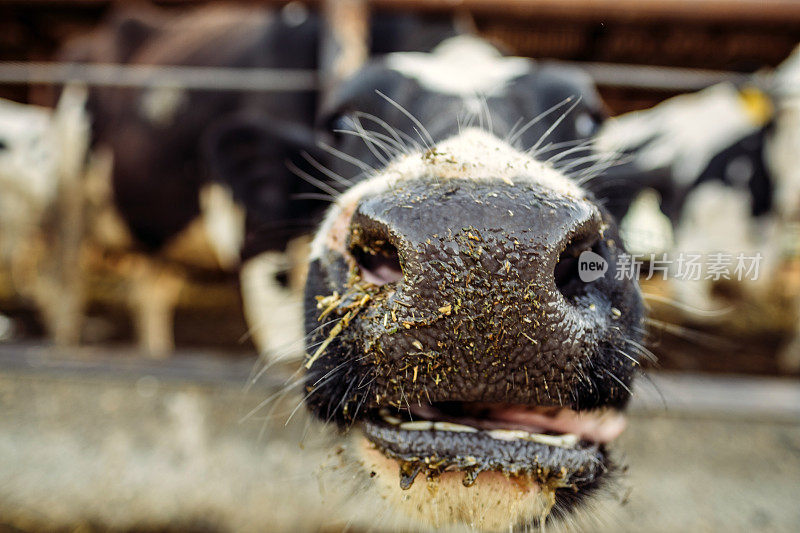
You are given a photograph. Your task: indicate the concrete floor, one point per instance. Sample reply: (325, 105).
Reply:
(122, 443)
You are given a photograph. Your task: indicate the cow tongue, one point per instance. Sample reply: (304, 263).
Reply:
(596, 426)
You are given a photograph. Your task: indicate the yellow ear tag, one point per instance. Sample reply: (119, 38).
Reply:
(757, 105)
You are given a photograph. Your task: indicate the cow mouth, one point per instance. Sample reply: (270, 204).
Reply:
(554, 447)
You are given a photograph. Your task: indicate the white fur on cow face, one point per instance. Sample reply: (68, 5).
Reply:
(786, 82)
(29, 172)
(461, 66)
(783, 145)
(783, 159)
(473, 155)
(494, 503)
(29, 156)
(684, 132)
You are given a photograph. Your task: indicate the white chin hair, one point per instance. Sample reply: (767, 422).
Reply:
(493, 503)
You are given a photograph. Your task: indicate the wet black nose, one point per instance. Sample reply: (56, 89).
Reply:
(482, 297)
(429, 236)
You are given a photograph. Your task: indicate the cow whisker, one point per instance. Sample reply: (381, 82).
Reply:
(313, 196)
(268, 399)
(532, 122)
(602, 165)
(642, 350)
(325, 170)
(486, 112)
(552, 146)
(655, 387)
(373, 143)
(582, 147)
(298, 377)
(555, 124)
(706, 339)
(369, 141)
(428, 139)
(511, 133)
(287, 355)
(391, 146)
(577, 162)
(687, 308)
(395, 144)
(401, 137)
(305, 176)
(347, 158)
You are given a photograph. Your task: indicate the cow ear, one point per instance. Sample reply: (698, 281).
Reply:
(249, 155)
(129, 27)
(357, 91)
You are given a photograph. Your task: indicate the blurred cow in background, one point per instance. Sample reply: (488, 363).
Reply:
(154, 213)
(42, 155)
(730, 183)
(165, 207)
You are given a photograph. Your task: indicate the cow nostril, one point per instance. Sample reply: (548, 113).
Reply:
(379, 264)
(566, 273)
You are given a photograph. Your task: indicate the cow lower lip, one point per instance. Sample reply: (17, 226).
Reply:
(514, 448)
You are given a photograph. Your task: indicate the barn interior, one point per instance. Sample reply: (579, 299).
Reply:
(124, 410)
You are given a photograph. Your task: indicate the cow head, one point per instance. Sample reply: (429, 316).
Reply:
(448, 318)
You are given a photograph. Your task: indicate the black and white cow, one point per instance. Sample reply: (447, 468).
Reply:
(725, 163)
(161, 199)
(446, 316)
(42, 154)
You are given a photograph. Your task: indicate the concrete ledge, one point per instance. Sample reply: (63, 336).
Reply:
(108, 440)
(667, 393)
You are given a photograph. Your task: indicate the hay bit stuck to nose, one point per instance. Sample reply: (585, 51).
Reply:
(349, 303)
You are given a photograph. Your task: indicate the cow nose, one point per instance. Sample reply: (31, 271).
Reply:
(426, 237)
(481, 289)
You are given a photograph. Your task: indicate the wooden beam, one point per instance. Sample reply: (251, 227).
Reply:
(745, 11)
(345, 40)
(629, 10)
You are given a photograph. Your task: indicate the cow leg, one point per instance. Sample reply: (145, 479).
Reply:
(69, 301)
(153, 295)
(274, 312)
(784, 162)
(58, 286)
(789, 356)
(344, 46)
(59, 302)
(62, 306)
(61, 296)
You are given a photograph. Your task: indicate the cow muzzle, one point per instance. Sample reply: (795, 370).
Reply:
(475, 324)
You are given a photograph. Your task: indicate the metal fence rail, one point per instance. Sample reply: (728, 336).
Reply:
(658, 78)
(115, 75)
(283, 80)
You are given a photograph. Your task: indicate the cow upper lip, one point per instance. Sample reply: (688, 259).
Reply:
(554, 446)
